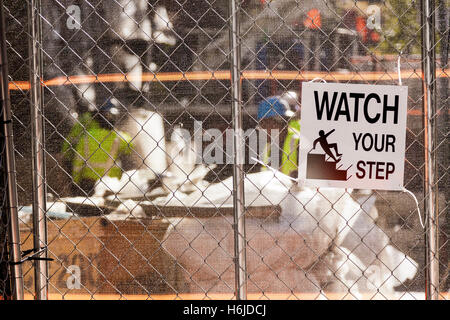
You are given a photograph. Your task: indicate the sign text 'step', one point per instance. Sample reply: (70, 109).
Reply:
(353, 135)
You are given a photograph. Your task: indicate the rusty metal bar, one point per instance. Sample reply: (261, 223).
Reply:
(430, 185)
(38, 151)
(14, 235)
(238, 143)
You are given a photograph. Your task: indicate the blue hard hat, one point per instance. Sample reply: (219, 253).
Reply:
(108, 106)
(270, 108)
(111, 106)
(109, 111)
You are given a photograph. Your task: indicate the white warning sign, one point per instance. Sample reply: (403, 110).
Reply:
(353, 135)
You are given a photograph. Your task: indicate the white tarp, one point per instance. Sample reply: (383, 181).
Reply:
(324, 240)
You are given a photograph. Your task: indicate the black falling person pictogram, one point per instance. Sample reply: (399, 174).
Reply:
(317, 165)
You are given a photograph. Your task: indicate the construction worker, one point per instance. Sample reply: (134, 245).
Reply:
(95, 149)
(281, 113)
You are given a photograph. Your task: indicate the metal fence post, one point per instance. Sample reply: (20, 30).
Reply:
(238, 170)
(430, 187)
(14, 235)
(37, 136)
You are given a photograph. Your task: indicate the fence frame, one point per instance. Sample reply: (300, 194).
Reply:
(11, 211)
(38, 151)
(429, 67)
(430, 137)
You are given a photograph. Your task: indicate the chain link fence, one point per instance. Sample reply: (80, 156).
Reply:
(143, 131)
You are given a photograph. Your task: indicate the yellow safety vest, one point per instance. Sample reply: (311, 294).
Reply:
(289, 157)
(97, 152)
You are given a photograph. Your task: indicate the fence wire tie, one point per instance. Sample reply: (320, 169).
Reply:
(35, 252)
(399, 69)
(5, 121)
(318, 79)
(298, 181)
(404, 189)
(275, 171)
(417, 205)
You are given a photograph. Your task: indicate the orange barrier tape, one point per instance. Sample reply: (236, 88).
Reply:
(226, 296)
(225, 75)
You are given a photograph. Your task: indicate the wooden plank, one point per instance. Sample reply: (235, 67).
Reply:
(113, 257)
(96, 206)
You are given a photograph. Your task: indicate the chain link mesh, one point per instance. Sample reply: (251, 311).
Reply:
(139, 155)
